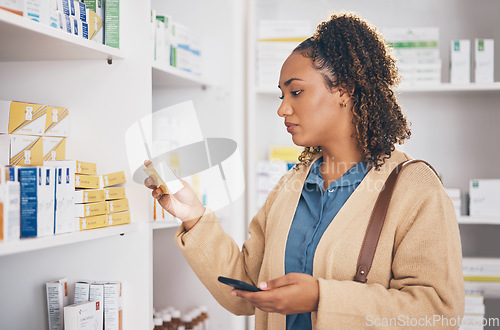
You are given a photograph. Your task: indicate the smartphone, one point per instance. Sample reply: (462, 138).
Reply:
(239, 285)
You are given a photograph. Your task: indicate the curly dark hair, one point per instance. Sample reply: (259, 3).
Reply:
(350, 53)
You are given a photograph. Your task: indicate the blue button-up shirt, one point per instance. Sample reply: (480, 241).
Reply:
(314, 213)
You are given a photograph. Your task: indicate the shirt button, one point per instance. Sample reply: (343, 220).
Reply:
(301, 261)
(332, 190)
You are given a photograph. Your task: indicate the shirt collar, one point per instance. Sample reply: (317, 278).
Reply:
(353, 176)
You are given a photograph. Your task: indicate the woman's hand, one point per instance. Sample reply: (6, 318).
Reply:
(290, 294)
(183, 205)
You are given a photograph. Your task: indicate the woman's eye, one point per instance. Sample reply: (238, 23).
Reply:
(295, 93)
(281, 97)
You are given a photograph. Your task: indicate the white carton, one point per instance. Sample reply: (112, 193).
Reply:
(62, 6)
(82, 292)
(32, 9)
(460, 62)
(54, 148)
(65, 195)
(14, 6)
(10, 197)
(97, 292)
(485, 197)
(84, 316)
(26, 150)
(484, 60)
(57, 298)
(46, 201)
(113, 306)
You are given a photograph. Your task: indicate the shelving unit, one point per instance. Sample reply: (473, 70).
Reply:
(168, 76)
(26, 40)
(469, 220)
(39, 243)
(219, 102)
(104, 98)
(454, 127)
(45, 65)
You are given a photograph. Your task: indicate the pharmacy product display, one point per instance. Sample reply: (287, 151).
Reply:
(96, 305)
(43, 194)
(175, 44)
(96, 20)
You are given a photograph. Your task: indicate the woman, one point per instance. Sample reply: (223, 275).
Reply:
(337, 102)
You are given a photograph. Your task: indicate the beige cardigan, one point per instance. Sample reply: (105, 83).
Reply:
(416, 272)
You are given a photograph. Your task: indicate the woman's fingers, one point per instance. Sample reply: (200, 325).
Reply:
(157, 193)
(150, 183)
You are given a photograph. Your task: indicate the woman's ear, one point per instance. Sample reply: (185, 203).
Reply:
(344, 95)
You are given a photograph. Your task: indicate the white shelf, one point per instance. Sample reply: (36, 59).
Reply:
(443, 87)
(468, 220)
(26, 40)
(490, 290)
(37, 243)
(161, 224)
(165, 75)
(447, 87)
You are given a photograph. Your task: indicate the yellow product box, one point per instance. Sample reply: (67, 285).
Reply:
(56, 122)
(54, 148)
(287, 154)
(118, 205)
(91, 209)
(112, 179)
(97, 221)
(26, 150)
(115, 193)
(120, 218)
(89, 196)
(95, 29)
(85, 168)
(86, 181)
(22, 118)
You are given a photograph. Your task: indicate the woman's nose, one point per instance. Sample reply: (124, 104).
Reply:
(285, 109)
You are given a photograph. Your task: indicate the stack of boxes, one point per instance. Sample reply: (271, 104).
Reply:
(96, 20)
(96, 305)
(477, 271)
(460, 62)
(41, 193)
(474, 312)
(10, 206)
(109, 294)
(96, 202)
(277, 40)
(175, 44)
(31, 133)
(484, 198)
(417, 52)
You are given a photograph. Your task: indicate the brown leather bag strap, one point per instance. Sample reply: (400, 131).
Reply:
(377, 219)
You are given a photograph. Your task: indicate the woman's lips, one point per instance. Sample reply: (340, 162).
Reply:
(290, 127)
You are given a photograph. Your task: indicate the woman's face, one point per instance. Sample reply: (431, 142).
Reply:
(313, 113)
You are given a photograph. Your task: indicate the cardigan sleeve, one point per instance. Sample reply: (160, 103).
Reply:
(427, 282)
(212, 253)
